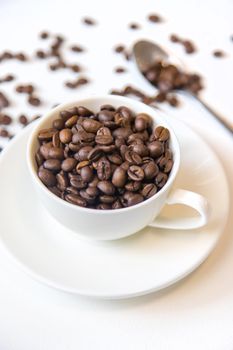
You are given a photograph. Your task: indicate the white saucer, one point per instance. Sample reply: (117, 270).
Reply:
(146, 262)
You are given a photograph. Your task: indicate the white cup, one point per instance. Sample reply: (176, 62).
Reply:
(114, 224)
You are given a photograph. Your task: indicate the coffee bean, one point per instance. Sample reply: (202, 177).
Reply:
(68, 164)
(81, 165)
(156, 148)
(104, 170)
(56, 139)
(86, 173)
(149, 190)
(89, 21)
(219, 53)
(150, 170)
(106, 187)
(161, 179)
(44, 149)
(162, 133)
(140, 149)
(133, 186)
(104, 206)
(71, 121)
(122, 133)
(56, 153)
(119, 70)
(91, 125)
(58, 124)
(52, 164)
(65, 135)
(115, 158)
(174, 38)
(46, 134)
(33, 100)
(47, 177)
(56, 191)
(135, 173)
(5, 119)
(39, 158)
(165, 164)
(4, 102)
(132, 157)
(107, 199)
(77, 182)
(119, 48)
(23, 120)
(44, 35)
(154, 18)
(84, 112)
(75, 199)
(77, 48)
(104, 136)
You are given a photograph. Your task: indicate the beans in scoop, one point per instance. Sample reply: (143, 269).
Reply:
(111, 159)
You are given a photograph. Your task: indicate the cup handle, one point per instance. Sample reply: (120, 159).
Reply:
(191, 199)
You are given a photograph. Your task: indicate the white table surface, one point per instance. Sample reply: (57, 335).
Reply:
(197, 313)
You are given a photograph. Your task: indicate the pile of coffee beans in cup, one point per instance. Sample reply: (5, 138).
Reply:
(111, 159)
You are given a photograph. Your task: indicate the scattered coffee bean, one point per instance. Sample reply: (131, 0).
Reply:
(41, 54)
(44, 35)
(34, 101)
(23, 120)
(7, 78)
(119, 70)
(154, 18)
(4, 102)
(5, 119)
(105, 160)
(119, 48)
(89, 21)
(4, 133)
(77, 48)
(187, 44)
(219, 54)
(174, 38)
(134, 26)
(26, 89)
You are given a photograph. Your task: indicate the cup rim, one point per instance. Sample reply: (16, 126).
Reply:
(85, 99)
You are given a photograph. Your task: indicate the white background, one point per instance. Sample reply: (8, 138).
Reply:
(198, 312)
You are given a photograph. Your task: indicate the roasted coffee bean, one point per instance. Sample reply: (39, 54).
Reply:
(52, 164)
(58, 124)
(39, 158)
(117, 204)
(107, 108)
(86, 173)
(74, 148)
(56, 153)
(165, 164)
(94, 154)
(94, 182)
(104, 170)
(23, 120)
(44, 149)
(82, 136)
(107, 199)
(140, 149)
(5, 119)
(140, 135)
(4, 102)
(150, 170)
(92, 191)
(84, 112)
(104, 136)
(68, 164)
(65, 135)
(132, 157)
(47, 177)
(133, 186)
(134, 199)
(90, 199)
(106, 115)
(119, 177)
(162, 133)
(106, 187)
(156, 149)
(34, 101)
(149, 190)
(83, 153)
(77, 182)
(62, 181)
(140, 124)
(154, 18)
(56, 140)
(65, 115)
(119, 141)
(122, 133)
(125, 165)
(91, 125)
(81, 165)
(119, 48)
(71, 121)
(75, 199)
(107, 149)
(161, 179)
(4, 133)
(135, 173)
(71, 189)
(46, 134)
(55, 191)
(115, 158)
